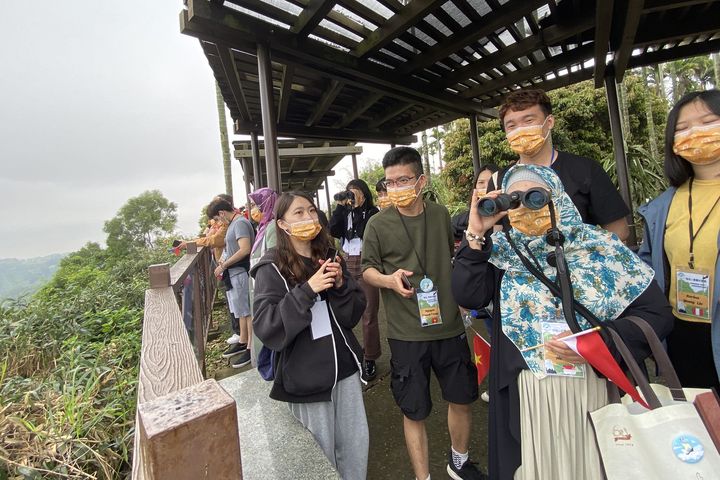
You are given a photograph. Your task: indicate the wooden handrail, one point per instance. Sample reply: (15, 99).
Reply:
(171, 370)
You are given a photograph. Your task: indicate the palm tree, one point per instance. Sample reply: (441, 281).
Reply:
(224, 140)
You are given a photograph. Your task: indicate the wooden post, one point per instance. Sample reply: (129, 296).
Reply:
(198, 320)
(354, 164)
(257, 169)
(621, 163)
(246, 177)
(159, 275)
(327, 196)
(267, 107)
(190, 434)
(191, 248)
(474, 144)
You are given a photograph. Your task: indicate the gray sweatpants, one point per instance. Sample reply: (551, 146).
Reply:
(340, 427)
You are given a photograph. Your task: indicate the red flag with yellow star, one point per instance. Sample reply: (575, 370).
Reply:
(482, 357)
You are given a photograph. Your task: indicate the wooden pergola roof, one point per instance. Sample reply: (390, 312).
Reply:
(304, 165)
(381, 70)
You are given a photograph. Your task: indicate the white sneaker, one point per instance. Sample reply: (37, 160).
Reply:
(234, 339)
(485, 397)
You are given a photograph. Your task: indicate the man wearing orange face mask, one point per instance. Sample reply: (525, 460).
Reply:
(526, 117)
(406, 253)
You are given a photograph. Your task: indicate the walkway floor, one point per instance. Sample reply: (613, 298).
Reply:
(388, 455)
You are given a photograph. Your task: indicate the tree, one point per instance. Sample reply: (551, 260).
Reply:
(372, 173)
(227, 169)
(139, 222)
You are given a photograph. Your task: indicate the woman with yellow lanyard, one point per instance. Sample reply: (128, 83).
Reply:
(682, 234)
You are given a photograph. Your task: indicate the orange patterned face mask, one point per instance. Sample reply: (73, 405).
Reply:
(256, 214)
(699, 145)
(304, 230)
(527, 140)
(530, 222)
(403, 196)
(384, 202)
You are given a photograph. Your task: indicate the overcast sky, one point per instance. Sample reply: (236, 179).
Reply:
(100, 101)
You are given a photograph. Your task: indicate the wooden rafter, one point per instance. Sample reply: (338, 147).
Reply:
(354, 135)
(491, 22)
(360, 107)
(300, 151)
(395, 25)
(231, 73)
(285, 91)
(603, 23)
(389, 114)
(326, 100)
(311, 16)
(682, 51)
(576, 55)
(622, 54)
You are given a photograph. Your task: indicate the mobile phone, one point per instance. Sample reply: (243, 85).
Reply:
(176, 243)
(331, 254)
(406, 283)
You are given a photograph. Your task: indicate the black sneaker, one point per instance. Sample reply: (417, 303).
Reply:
(468, 471)
(234, 349)
(242, 360)
(369, 370)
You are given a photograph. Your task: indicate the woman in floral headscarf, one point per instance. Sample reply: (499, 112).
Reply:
(540, 397)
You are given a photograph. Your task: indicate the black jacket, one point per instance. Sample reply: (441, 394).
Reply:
(306, 370)
(339, 221)
(475, 283)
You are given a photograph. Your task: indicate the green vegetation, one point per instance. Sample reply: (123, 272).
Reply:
(69, 364)
(24, 277)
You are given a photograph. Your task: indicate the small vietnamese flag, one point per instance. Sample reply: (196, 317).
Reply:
(590, 345)
(482, 356)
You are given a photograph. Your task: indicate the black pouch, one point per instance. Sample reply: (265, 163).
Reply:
(226, 280)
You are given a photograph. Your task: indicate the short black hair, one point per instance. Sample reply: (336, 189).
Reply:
(380, 186)
(403, 156)
(227, 197)
(217, 205)
(677, 169)
(363, 187)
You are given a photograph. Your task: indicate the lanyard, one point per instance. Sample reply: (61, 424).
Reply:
(694, 235)
(407, 232)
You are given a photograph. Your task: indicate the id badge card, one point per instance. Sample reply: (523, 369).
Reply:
(553, 365)
(693, 293)
(320, 325)
(428, 304)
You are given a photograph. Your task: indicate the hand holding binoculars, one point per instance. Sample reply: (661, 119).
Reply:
(534, 198)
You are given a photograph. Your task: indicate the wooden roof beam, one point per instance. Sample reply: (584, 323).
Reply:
(603, 24)
(305, 151)
(395, 25)
(297, 131)
(389, 115)
(508, 13)
(689, 26)
(652, 6)
(675, 53)
(228, 64)
(630, 28)
(360, 107)
(547, 36)
(311, 16)
(285, 91)
(564, 60)
(325, 101)
(205, 21)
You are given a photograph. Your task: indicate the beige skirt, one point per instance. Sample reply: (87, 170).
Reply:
(557, 438)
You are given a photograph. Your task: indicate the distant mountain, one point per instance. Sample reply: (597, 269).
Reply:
(22, 277)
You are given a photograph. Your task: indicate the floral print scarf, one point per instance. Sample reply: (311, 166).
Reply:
(606, 275)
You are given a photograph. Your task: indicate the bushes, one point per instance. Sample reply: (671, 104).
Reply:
(68, 368)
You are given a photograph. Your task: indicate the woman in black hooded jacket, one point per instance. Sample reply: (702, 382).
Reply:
(305, 308)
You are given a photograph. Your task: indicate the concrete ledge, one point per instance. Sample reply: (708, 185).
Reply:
(273, 443)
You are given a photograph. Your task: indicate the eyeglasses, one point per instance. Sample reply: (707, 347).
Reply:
(400, 182)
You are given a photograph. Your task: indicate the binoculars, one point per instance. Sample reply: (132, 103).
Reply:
(534, 199)
(346, 195)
